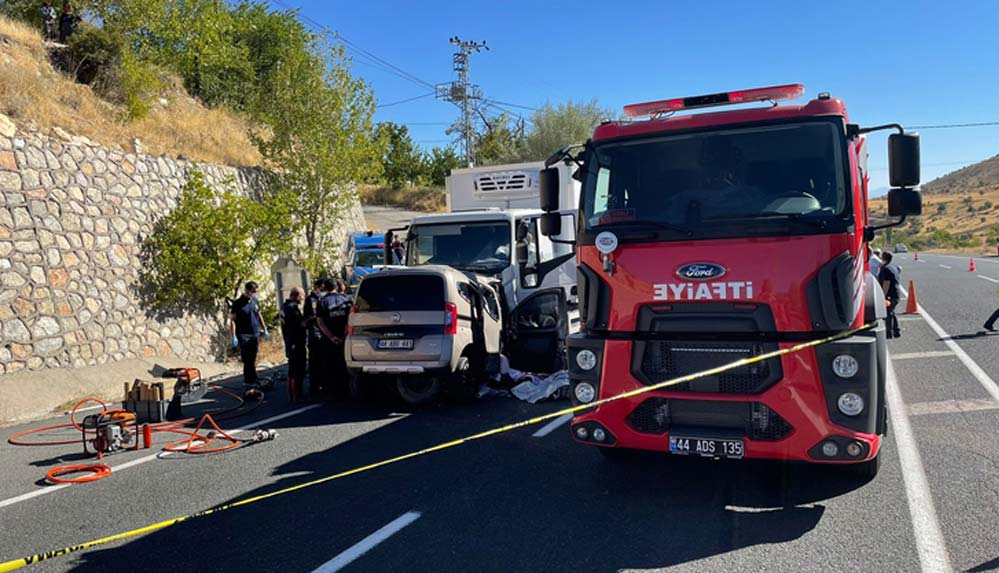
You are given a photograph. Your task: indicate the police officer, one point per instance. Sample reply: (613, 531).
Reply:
(331, 317)
(293, 331)
(246, 326)
(314, 338)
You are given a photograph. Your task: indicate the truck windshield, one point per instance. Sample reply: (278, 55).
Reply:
(719, 183)
(370, 258)
(481, 247)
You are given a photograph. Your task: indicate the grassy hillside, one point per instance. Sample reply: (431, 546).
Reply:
(37, 96)
(960, 211)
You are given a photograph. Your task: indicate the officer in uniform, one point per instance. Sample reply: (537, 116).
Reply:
(331, 316)
(247, 324)
(293, 331)
(314, 337)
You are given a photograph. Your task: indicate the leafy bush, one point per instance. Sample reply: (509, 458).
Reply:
(212, 242)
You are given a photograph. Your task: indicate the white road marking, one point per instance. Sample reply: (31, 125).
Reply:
(984, 379)
(53, 488)
(988, 278)
(945, 267)
(928, 354)
(368, 543)
(907, 317)
(929, 538)
(551, 426)
(952, 406)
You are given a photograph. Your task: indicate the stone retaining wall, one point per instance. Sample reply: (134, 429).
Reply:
(72, 216)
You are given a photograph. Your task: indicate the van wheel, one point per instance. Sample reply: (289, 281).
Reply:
(463, 385)
(360, 387)
(418, 390)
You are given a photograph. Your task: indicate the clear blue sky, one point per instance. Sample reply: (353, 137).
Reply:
(918, 62)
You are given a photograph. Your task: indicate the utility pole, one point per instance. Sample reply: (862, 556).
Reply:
(461, 93)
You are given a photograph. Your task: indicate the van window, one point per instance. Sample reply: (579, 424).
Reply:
(378, 294)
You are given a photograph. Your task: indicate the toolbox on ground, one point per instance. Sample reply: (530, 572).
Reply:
(147, 400)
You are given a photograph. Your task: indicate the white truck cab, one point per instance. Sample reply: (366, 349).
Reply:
(492, 228)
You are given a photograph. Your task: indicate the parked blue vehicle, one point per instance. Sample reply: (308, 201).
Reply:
(364, 255)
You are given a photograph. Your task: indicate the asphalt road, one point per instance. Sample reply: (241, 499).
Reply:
(381, 218)
(531, 500)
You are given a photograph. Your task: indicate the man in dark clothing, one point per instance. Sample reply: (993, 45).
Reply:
(888, 276)
(331, 314)
(67, 23)
(293, 332)
(314, 338)
(247, 326)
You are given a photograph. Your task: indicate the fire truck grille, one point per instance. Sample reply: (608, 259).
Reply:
(754, 420)
(663, 360)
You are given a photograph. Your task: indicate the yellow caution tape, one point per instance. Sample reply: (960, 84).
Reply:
(24, 561)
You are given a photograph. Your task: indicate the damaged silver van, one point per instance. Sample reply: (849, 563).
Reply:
(427, 330)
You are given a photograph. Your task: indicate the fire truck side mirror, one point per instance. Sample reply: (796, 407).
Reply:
(551, 224)
(904, 202)
(548, 183)
(903, 159)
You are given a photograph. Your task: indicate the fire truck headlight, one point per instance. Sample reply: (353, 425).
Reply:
(582, 433)
(845, 366)
(586, 359)
(850, 404)
(585, 392)
(830, 449)
(599, 434)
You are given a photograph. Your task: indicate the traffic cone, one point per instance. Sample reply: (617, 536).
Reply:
(911, 306)
(971, 267)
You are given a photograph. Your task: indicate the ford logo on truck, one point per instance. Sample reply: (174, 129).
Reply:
(700, 271)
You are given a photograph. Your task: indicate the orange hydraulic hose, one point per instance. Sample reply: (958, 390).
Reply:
(97, 471)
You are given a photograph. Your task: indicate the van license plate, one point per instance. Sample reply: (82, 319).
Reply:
(708, 447)
(396, 343)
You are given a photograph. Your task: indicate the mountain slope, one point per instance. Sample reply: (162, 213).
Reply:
(38, 97)
(960, 211)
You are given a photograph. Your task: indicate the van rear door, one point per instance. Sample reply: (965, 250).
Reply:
(399, 317)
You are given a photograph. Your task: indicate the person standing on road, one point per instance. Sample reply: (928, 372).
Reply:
(293, 332)
(876, 262)
(314, 338)
(990, 324)
(247, 324)
(331, 316)
(889, 276)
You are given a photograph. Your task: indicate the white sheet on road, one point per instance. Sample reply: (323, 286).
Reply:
(530, 387)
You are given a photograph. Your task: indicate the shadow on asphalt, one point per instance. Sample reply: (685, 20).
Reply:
(510, 503)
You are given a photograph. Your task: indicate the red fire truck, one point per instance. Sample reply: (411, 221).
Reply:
(702, 239)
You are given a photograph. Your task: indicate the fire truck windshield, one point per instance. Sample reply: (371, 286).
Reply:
(721, 183)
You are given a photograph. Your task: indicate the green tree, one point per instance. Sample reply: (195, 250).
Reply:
(555, 126)
(500, 143)
(319, 133)
(203, 250)
(438, 162)
(401, 161)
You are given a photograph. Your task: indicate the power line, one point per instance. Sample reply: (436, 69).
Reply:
(517, 105)
(957, 125)
(375, 61)
(409, 99)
